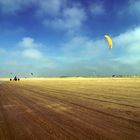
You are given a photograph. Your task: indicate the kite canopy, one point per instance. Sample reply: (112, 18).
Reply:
(109, 40)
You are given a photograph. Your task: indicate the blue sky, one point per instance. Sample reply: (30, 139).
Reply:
(61, 37)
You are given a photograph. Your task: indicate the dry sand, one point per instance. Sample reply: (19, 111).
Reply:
(70, 109)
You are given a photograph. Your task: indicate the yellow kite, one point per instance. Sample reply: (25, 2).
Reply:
(109, 40)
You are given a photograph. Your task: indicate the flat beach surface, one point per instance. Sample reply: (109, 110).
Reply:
(70, 109)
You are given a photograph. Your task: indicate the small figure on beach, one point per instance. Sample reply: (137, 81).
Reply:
(15, 78)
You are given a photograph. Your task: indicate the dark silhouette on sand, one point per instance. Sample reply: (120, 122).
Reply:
(15, 79)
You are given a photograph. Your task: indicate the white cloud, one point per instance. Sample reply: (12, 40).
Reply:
(63, 15)
(12, 6)
(59, 14)
(134, 7)
(129, 37)
(74, 17)
(45, 7)
(85, 48)
(30, 48)
(32, 53)
(129, 43)
(131, 8)
(71, 18)
(53, 7)
(97, 9)
(29, 42)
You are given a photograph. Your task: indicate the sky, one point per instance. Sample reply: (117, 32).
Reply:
(66, 38)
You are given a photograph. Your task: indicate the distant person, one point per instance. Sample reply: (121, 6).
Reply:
(15, 78)
(18, 79)
(10, 79)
